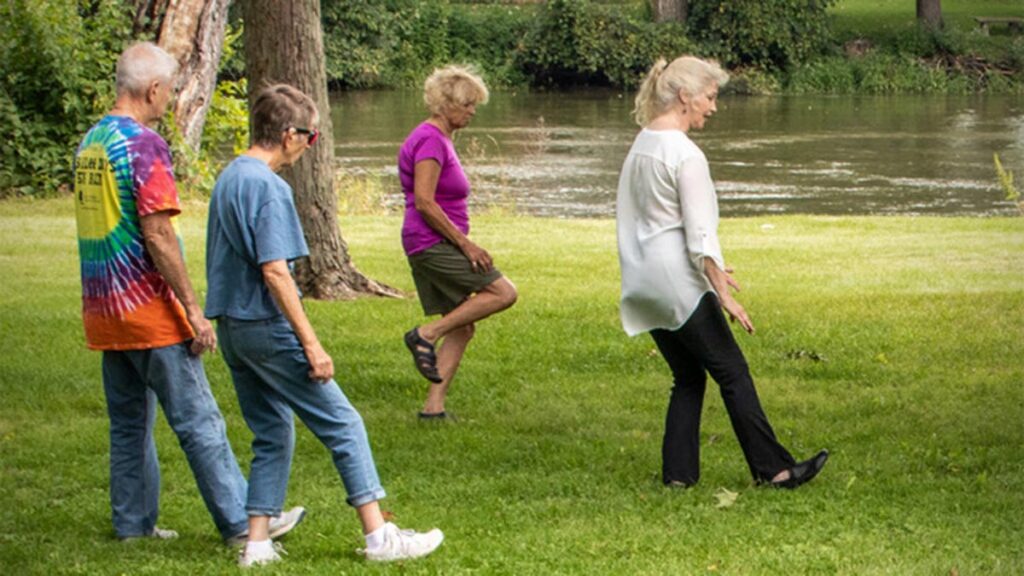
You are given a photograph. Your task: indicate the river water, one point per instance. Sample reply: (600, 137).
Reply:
(558, 153)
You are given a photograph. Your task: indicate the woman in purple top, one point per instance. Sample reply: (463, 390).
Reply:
(454, 276)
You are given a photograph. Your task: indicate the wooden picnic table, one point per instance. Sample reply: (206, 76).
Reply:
(1015, 24)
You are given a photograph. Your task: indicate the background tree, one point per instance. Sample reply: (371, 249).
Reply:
(929, 13)
(670, 10)
(193, 32)
(284, 43)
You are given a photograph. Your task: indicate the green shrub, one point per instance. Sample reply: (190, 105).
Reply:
(833, 75)
(770, 35)
(577, 42)
(386, 43)
(752, 82)
(58, 66)
(225, 135)
(889, 74)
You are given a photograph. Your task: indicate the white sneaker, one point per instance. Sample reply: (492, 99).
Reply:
(249, 558)
(279, 526)
(157, 533)
(404, 544)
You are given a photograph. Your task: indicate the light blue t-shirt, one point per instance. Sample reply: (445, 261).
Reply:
(252, 221)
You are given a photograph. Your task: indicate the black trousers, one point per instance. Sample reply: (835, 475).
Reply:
(705, 344)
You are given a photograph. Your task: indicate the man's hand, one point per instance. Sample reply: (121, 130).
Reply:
(321, 367)
(206, 337)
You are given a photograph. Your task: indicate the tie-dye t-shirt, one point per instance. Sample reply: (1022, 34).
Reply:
(123, 172)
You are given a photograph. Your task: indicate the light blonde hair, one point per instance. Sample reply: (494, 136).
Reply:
(453, 86)
(687, 74)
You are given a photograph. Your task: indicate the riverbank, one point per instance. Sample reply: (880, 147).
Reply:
(892, 341)
(852, 47)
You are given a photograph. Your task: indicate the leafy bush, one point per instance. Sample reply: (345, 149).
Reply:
(577, 42)
(770, 35)
(834, 75)
(58, 66)
(380, 43)
(225, 135)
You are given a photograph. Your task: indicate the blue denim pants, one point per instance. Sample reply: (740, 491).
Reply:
(134, 381)
(271, 375)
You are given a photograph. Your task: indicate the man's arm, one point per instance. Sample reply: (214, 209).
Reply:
(282, 288)
(163, 247)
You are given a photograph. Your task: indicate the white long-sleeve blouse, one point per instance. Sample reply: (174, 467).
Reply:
(667, 223)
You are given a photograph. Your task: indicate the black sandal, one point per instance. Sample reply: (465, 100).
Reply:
(423, 355)
(436, 416)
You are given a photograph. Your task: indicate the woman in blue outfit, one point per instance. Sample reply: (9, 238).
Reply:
(674, 280)
(278, 365)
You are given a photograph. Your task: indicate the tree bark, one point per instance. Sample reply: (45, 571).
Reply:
(192, 31)
(284, 43)
(929, 13)
(670, 10)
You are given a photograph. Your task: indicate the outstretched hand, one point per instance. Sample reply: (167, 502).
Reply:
(730, 280)
(736, 313)
(724, 284)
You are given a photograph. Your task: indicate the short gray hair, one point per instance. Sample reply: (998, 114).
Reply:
(140, 65)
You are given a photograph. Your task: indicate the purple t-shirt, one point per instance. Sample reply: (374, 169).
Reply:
(424, 143)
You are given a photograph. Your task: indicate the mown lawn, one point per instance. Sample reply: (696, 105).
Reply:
(894, 342)
(886, 20)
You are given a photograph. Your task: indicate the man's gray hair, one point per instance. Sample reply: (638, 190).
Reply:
(140, 65)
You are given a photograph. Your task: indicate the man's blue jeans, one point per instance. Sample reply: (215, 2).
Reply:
(134, 381)
(271, 375)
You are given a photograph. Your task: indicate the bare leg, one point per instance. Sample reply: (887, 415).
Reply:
(370, 516)
(491, 299)
(259, 528)
(449, 355)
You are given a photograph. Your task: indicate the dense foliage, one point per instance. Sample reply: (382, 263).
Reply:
(770, 35)
(578, 42)
(378, 43)
(58, 60)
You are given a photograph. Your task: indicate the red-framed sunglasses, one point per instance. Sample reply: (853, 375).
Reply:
(313, 134)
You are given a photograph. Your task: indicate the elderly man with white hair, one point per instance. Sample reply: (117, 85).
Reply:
(140, 310)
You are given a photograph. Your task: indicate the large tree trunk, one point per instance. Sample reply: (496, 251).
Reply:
(670, 10)
(929, 13)
(284, 43)
(193, 32)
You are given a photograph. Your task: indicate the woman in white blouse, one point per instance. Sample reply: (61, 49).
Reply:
(675, 282)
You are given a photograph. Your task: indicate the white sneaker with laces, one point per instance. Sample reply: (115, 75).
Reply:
(404, 544)
(249, 558)
(157, 534)
(279, 526)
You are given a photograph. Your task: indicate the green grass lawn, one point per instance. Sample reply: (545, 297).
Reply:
(894, 342)
(886, 20)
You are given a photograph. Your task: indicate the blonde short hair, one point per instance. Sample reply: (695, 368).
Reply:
(687, 74)
(453, 86)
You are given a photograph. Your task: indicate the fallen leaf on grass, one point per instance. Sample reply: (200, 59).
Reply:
(725, 497)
